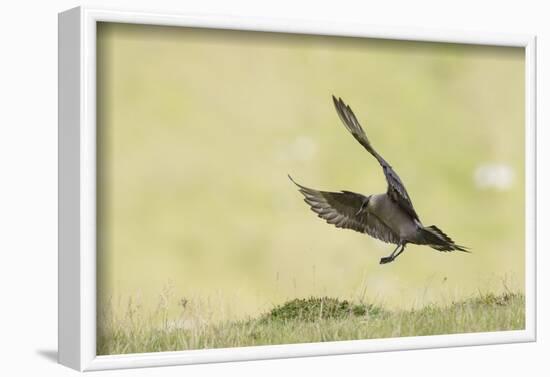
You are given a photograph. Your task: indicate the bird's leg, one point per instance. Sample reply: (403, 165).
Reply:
(400, 251)
(392, 256)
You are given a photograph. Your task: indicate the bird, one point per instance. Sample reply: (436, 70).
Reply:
(389, 217)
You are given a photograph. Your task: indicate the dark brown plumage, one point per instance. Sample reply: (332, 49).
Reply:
(389, 217)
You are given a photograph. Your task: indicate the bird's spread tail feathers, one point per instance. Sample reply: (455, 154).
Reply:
(437, 239)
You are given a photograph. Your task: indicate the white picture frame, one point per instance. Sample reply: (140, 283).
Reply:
(77, 190)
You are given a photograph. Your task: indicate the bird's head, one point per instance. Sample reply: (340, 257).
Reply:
(364, 205)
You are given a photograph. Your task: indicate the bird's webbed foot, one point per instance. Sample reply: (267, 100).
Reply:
(385, 260)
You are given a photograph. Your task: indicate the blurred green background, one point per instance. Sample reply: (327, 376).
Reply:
(197, 130)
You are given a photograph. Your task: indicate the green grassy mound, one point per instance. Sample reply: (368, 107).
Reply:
(317, 308)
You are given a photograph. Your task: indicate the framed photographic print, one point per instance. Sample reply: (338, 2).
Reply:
(239, 189)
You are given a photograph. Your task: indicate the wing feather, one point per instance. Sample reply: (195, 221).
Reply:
(342, 209)
(396, 189)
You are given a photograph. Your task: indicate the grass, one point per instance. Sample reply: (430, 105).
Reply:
(309, 320)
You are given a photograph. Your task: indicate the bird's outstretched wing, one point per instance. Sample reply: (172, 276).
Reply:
(396, 189)
(345, 210)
